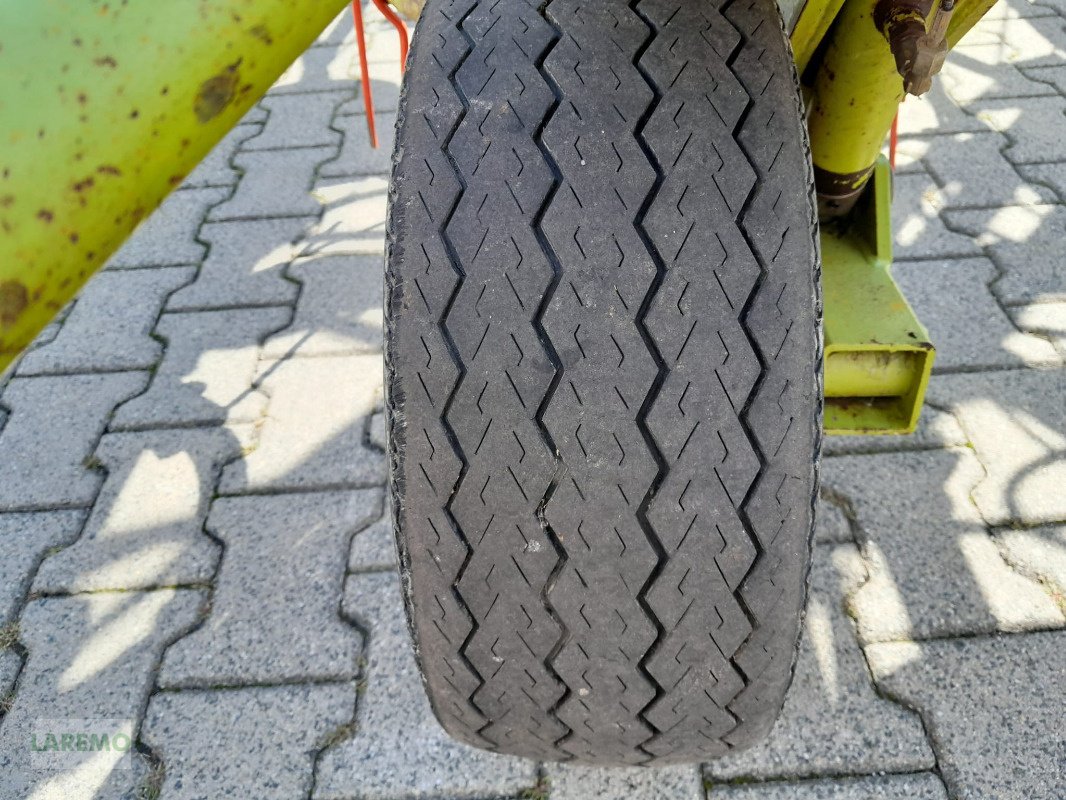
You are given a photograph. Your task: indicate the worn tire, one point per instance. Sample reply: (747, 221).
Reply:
(603, 373)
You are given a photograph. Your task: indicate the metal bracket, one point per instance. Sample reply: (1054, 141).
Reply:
(878, 356)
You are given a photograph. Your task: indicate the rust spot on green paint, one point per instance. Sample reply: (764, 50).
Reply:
(261, 33)
(216, 93)
(7, 201)
(13, 301)
(106, 61)
(44, 215)
(81, 186)
(108, 169)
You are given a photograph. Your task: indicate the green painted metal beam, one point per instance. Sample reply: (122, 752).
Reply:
(878, 356)
(104, 108)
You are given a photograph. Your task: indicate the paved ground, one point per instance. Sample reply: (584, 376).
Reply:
(192, 540)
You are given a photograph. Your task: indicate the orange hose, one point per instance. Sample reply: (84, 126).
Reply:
(364, 69)
(398, 24)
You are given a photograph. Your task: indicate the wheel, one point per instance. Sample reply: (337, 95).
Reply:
(603, 373)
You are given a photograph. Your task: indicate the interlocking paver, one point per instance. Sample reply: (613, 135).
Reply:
(976, 72)
(326, 68)
(24, 540)
(1039, 552)
(384, 86)
(1026, 244)
(354, 217)
(969, 688)
(919, 231)
(377, 436)
(245, 265)
(625, 783)
(90, 657)
(1033, 124)
(146, 529)
(934, 570)
(274, 613)
(831, 524)
(1053, 76)
(168, 237)
(973, 173)
(216, 169)
(1044, 319)
(46, 444)
(923, 786)
(339, 310)
(1034, 42)
(258, 742)
(109, 326)
(967, 325)
(1051, 175)
(935, 112)
(298, 120)
(312, 436)
(357, 157)
(374, 547)
(1016, 421)
(205, 375)
(398, 749)
(833, 721)
(10, 664)
(274, 184)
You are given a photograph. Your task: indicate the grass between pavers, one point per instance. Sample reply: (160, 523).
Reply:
(538, 791)
(9, 635)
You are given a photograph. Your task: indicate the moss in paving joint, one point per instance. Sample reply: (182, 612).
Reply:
(338, 735)
(538, 791)
(9, 635)
(152, 786)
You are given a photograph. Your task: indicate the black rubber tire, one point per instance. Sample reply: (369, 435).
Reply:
(603, 373)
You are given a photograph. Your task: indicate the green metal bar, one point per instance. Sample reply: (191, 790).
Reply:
(878, 356)
(104, 108)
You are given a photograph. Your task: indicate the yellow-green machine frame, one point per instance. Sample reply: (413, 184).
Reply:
(106, 105)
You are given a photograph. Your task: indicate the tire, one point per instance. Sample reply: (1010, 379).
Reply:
(603, 373)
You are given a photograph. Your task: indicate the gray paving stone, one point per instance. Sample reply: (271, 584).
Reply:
(254, 742)
(1043, 319)
(321, 69)
(274, 615)
(146, 529)
(168, 237)
(1053, 76)
(384, 86)
(831, 525)
(206, 374)
(918, 229)
(354, 217)
(216, 169)
(377, 436)
(24, 540)
(935, 429)
(1026, 244)
(972, 172)
(833, 722)
(1040, 553)
(312, 436)
(625, 783)
(109, 326)
(1034, 42)
(46, 444)
(967, 325)
(934, 570)
(1032, 124)
(935, 112)
(300, 120)
(245, 265)
(994, 707)
(398, 748)
(339, 310)
(923, 786)
(1016, 421)
(341, 29)
(1014, 9)
(1051, 175)
(10, 664)
(374, 547)
(91, 657)
(357, 157)
(274, 184)
(978, 72)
